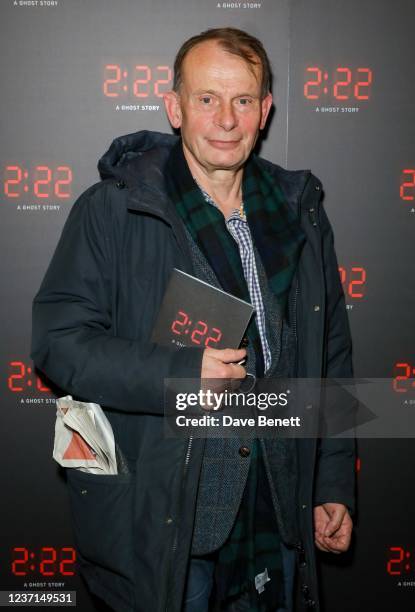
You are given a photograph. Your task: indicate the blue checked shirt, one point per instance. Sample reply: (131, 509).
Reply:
(238, 227)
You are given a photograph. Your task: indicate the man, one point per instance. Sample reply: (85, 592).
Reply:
(164, 536)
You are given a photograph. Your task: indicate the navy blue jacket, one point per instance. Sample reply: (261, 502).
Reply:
(92, 319)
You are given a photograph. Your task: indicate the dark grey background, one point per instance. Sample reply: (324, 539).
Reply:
(55, 113)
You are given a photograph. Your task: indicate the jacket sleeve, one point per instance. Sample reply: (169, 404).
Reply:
(72, 338)
(335, 475)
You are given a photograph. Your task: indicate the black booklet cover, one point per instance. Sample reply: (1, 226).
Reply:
(194, 313)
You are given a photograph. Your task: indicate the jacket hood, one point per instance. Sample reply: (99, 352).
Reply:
(138, 159)
(125, 152)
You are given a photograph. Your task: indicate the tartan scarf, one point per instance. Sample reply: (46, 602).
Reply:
(253, 545)
(274, 228)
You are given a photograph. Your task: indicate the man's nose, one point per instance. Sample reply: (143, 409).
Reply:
(226, 116)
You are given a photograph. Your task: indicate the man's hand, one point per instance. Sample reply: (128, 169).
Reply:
(220, 368)
(223, 363)
(333, 527)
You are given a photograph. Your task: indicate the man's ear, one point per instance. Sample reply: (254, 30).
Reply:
(173, 110)
(266, 104)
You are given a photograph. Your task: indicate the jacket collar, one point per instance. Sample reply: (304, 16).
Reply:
(138, 160)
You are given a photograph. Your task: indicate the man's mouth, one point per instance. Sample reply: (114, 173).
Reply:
(224, 144)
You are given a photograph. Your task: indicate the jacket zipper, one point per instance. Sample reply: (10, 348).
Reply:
(295, 373)
(176, 533)
(295, 326)
(186, 464)
(313, 220)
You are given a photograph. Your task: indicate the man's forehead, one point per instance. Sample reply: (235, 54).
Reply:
(209, 59)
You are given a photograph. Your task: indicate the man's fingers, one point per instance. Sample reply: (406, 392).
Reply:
(332, 526)
(336, 519)
(227, 355)
(238, 371)
(339, 542)
(319, 542)
(223, 364)
(333, 545)
(216, 369)
(340, 546)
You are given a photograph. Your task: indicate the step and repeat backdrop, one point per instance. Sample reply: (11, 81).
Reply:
(76, 74)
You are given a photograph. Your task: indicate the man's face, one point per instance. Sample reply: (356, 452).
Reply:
(218, 108)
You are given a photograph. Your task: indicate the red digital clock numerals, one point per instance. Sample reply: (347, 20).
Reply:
(22, 377)
(182, 325)
(407, 186)
(143, 83)
(49, 562)
(353, 281)
(344, 84)
(403, 377)
(42, 182)
(399, 561)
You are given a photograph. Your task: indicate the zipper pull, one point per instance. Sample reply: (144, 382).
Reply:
(312, 214)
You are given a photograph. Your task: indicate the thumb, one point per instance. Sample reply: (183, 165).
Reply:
(334, 523)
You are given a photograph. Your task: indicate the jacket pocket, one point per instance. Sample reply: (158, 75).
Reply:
(103, 516)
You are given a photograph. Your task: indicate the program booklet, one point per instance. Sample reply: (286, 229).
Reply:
(194, 313)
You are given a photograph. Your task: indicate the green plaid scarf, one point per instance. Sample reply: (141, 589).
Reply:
(273, 225)
(252, 546)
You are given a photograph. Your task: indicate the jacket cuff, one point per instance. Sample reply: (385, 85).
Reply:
(187, 363)
(336, 497)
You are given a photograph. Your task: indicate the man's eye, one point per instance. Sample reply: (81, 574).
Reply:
(206, 99)
(244, 101)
